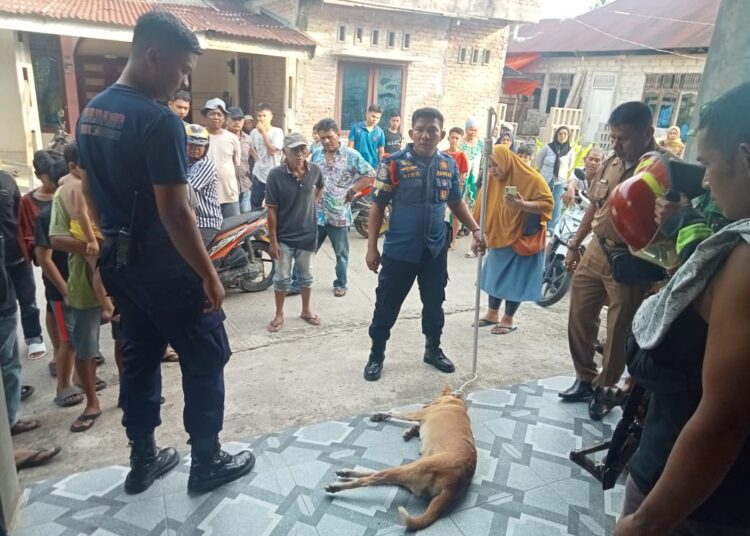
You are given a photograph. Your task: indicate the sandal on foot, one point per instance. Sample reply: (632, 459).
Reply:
(24, 426)
(339, 292)
(37, 350)
(275, 327)
(470, 255)
(502, 329)
(70, 396)
(38, 457)
(100, 384)
(99, 360)
(483, 322)
(84, 422)
(26, 391)
(313, 320)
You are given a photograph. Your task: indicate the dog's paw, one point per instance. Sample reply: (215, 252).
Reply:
(411, 433)
(380, 417)
(332, 488)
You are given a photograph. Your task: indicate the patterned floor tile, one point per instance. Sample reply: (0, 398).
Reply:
(524, 484)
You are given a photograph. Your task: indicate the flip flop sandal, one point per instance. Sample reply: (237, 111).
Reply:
(470, 255)
(483, 322)
(502, 329)
(339, 292)
(313, 320)
(39, 457)
(85, 422)
(274, 327)
(24, 426)
(70, 396)
(37, 350)
(99, 360)
(100, 384)
(26, 391)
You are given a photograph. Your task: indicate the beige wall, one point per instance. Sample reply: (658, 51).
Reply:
(433, 75)
(268, 86)
(17, 144)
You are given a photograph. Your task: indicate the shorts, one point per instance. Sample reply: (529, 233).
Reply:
(293, 261)
(86, 325)
(63, 316)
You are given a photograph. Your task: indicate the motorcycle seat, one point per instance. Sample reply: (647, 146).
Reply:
(240, 219)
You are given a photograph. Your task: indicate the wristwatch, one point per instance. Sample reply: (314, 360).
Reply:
(572, 244)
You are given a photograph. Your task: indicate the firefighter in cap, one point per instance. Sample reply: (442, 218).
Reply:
(420, 182)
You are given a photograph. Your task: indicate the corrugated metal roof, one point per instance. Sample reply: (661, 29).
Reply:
(198, 15)
(625, 25)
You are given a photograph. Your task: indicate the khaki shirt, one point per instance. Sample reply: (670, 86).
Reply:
(613, 172)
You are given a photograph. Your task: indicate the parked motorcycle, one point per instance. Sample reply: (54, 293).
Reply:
(361, 204)
(240, 252)
(61, 137)
(556, 278)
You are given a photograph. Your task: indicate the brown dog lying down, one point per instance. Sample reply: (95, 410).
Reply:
(447, 465)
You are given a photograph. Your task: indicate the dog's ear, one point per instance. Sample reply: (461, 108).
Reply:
(447, 390)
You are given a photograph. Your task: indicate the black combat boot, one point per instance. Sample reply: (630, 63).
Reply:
(212, 467)
(375, 362)
(434, 356)
(147, 463)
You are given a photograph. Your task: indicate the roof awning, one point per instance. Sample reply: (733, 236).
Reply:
(519, 87)
(519, 61)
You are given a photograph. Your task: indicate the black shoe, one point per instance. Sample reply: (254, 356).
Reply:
(147, 463)
(580, 391)
(434, 356)
(218, 470)
(598, 410)
(373, 369)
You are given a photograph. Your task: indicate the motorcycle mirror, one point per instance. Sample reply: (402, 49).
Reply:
(580, 175)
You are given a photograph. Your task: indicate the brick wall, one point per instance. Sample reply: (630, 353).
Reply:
(433, 75)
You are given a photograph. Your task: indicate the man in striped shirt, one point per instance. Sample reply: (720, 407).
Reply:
(203, 179)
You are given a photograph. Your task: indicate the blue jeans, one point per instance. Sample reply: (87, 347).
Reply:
(340, 241)
(557, 193)
(257, 193)
(10, 364)
(302, 268)
(22, 275)
(230, 209)
(245, 205)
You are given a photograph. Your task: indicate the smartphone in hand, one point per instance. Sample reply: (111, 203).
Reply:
(511, 191)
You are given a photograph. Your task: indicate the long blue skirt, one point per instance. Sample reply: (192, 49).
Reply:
(509, 276)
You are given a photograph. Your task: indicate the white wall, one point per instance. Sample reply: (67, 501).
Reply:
(23, 137)
(630, 70)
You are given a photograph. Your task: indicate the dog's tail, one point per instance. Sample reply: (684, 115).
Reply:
(435, 508)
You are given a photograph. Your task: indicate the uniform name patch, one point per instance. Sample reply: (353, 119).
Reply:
(444, 174)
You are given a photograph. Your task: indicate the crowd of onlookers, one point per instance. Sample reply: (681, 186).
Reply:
(239, 163)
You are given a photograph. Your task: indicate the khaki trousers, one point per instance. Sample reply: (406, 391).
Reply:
(592, 288)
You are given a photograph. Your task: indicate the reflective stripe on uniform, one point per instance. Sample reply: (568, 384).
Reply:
(696, 232)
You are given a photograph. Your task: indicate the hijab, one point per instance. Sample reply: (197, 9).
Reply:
(505, 131)
(560, 150)
(504, 225)
(676, 146)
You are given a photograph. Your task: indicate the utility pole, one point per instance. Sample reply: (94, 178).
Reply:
(728, 63)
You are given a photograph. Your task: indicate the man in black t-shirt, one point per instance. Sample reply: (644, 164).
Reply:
(393, 138)
(292, 191)
(133, 152)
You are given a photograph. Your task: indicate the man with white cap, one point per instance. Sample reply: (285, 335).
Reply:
(292, 192)
(225, 152)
